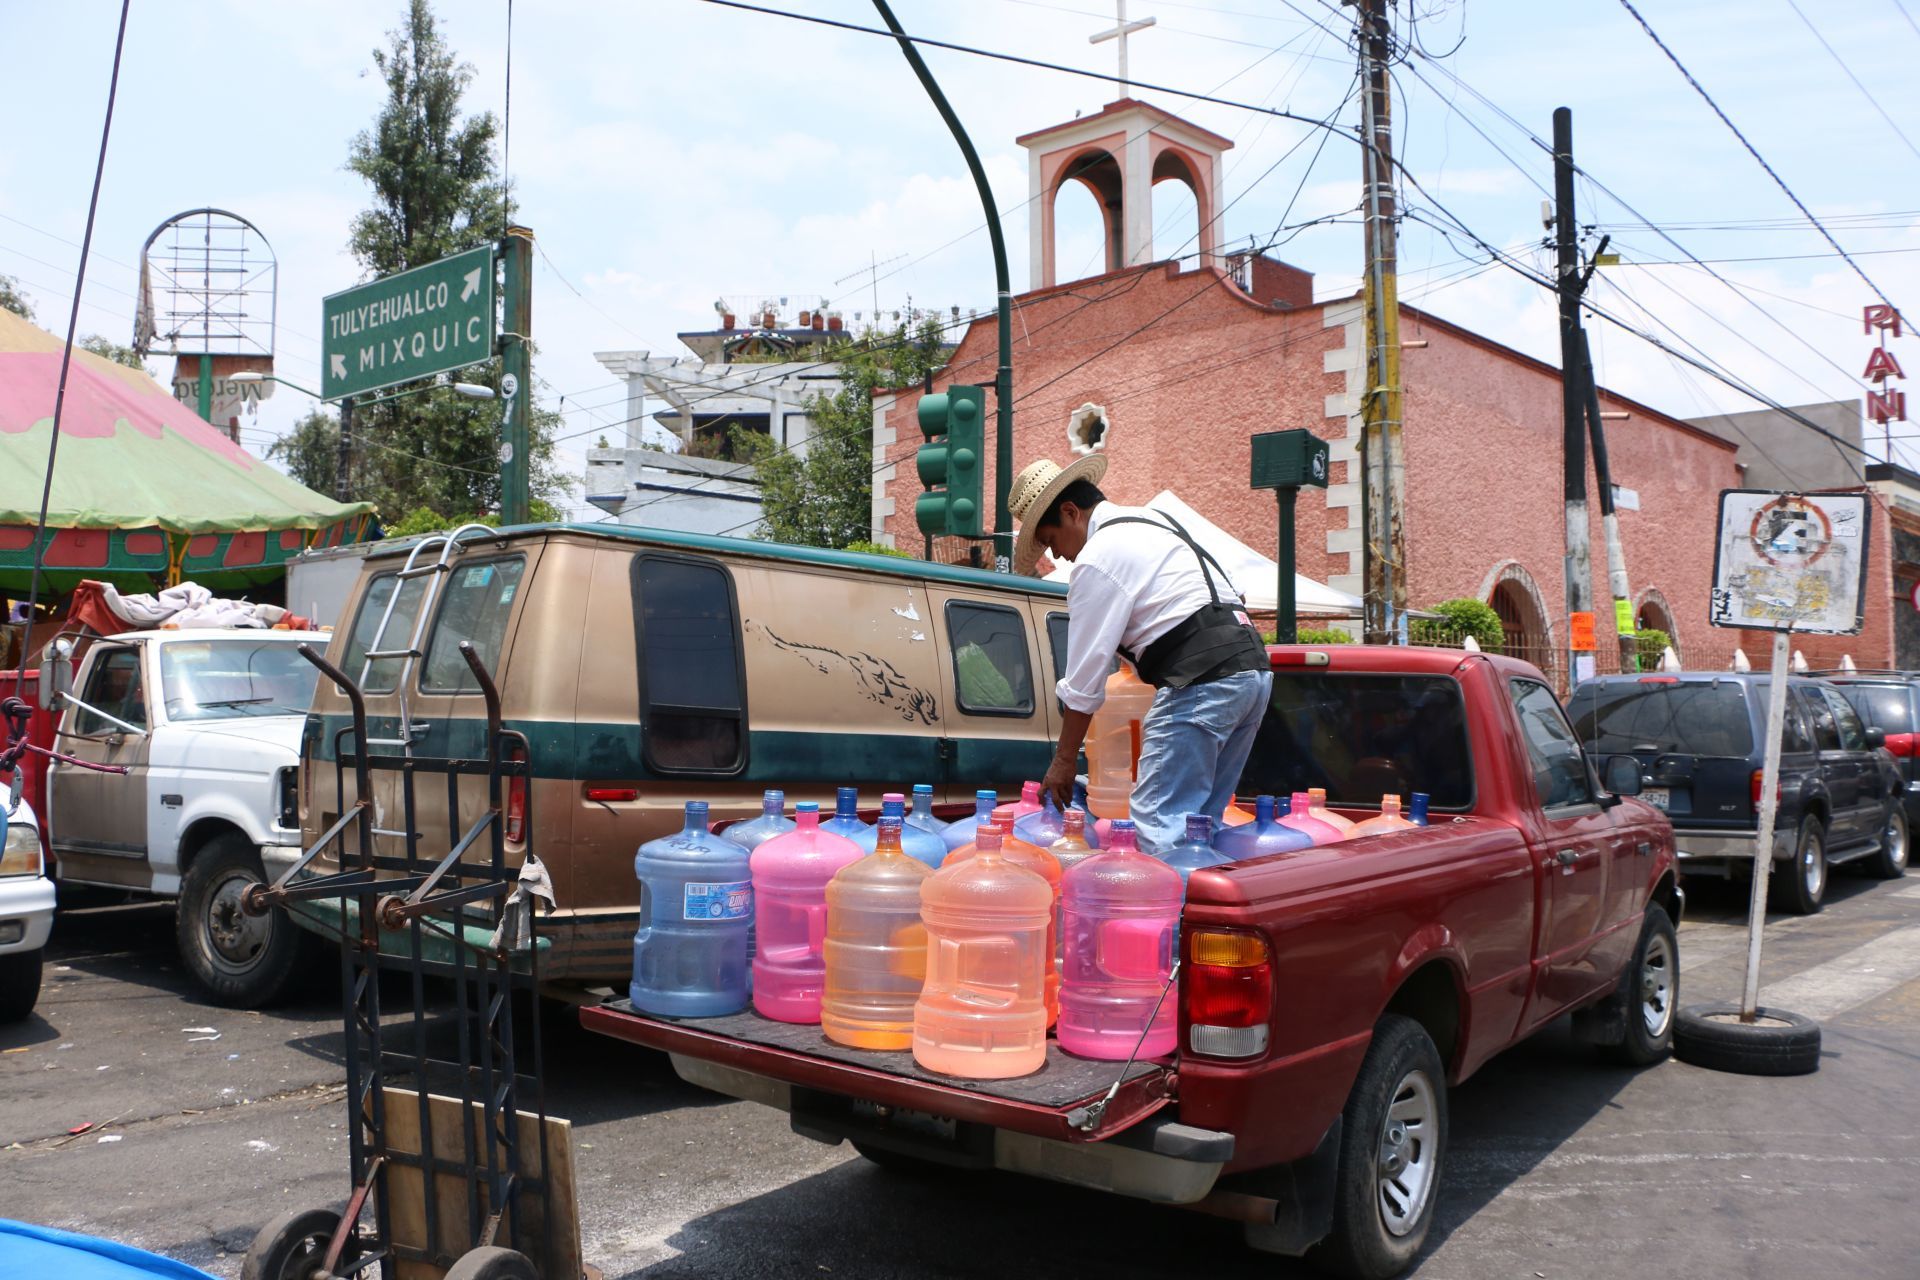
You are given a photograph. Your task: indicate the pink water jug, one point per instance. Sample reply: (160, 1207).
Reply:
(1299, 816)
(1029, 801)
(1317, 807)
(1119, 910)
(790, 877)
(982, 1014)
(1389, 819)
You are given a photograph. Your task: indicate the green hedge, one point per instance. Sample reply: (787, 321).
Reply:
(1311, 635)
(1459, 619)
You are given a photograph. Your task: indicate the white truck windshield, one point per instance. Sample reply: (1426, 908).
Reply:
(229, 679)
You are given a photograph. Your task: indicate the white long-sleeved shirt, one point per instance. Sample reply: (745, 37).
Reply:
(1130, 586)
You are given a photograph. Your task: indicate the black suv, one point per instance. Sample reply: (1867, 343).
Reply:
(1698, 738)
(1890, 702)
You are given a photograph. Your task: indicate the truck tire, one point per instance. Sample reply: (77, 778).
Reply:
(19, 985)
(1392, 1145)
(1650, 990)
(244, 962)
(1798, 887)
(1891, 862)
(1776, 1043)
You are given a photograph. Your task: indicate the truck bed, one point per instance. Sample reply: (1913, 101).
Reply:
(1057, 1101)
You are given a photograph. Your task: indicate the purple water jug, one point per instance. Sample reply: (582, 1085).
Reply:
(917, 843)
(1195, 849)
(1119, 910)
(921, 815)
(790, 877)
(1260, 837)
(773, 821)
(961, 832)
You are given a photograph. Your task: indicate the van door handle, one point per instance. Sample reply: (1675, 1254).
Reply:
(420, 728)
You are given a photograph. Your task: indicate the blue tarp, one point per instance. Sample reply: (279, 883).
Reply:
(27, 1250)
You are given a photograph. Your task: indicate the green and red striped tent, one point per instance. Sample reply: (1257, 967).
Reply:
(145, 494)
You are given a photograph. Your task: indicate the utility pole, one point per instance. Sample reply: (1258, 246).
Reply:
(1003, 377)
(1623, 622)
(1578, 565)
(1382, 451)
(343, 456)
(516, 379)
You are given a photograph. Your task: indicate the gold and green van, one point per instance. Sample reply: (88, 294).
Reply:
(647, 668)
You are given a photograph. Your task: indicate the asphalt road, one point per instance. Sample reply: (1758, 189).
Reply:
(1559, 1167)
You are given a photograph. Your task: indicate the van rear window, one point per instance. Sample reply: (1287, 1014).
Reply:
(1882, 706)
(1362, 736)
(1686, 717)
(692, 686)
(474, 606)
(381, 674)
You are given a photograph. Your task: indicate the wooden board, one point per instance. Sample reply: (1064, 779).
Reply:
(550, 1224)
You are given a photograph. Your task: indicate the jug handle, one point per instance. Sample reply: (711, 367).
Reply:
(817, 929)
(1115, 935)
(645, 930)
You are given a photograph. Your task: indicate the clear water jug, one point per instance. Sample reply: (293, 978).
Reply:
(790, 877)
(1317, 808)
(1388, 820)
(1023, 853)
(846, 815)
(773, 821)
(696, 903)
(919, 844)
(982, 1014)
(876, 952)
(1113, 743)
(1120, 910)
(921, 815)
(1300, 817)
(1044, 825)
(1195, 849)
(1418, 809)
(1075, 840)
(960, 832)
(1260, 837)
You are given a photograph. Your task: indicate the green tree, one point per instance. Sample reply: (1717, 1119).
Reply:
(13, 300)
(1459, 619)
(435, 191)
(310, 452)
(102, 346)
(826, 498)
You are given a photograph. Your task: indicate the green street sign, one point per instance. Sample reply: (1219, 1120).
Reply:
(408, 326)
(1289, 459)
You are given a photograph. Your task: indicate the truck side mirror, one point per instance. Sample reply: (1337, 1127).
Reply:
(1622, 775)
(1876, 738)
(56, 673)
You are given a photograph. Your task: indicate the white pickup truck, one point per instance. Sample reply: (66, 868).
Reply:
(26, 907)
(206, 723)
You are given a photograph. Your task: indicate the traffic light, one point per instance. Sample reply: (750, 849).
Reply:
(949, 463)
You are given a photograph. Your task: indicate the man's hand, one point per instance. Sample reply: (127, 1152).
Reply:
(1059, 781)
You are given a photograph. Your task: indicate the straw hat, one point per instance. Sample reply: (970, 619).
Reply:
(1035, 489)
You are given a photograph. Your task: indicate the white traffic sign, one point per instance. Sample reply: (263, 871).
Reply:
(1791, 562)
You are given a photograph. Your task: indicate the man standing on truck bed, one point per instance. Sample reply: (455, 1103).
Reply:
(1142, 588)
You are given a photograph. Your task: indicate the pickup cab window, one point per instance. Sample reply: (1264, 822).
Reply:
(1362, 736)
(1559, 770)
(233, 679)
(115, 688)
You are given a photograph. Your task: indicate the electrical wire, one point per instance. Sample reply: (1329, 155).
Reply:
(1864, 91)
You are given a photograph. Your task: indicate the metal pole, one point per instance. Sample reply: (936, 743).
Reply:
(1769, 803)
(1578, 564)
(516, 379)
(1285, 624)
(343, 454)
(1380, 435)
(206, 387)
(1003, 378)
(1616, 554)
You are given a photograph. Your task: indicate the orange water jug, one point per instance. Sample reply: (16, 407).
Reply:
(1389, 819)
(1031, 856)
(982, 1014)
(1113, 743)
(1317, 807)
(876, 947)
(1235, 816)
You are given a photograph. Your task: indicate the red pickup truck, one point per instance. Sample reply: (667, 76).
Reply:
(1329, 997)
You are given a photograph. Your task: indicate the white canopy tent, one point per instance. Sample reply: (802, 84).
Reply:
(1257, 575)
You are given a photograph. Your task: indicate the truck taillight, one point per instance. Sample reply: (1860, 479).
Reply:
(1228, 989)
(1753, 788)
(516, 800)
(1900, 744)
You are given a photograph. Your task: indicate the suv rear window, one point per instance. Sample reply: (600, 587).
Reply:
(1362, 736)
(1883, 706)
(1690, 717)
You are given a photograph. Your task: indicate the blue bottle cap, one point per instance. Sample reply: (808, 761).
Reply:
(1263, 808)
(987, 795)
(1120, 824)
(807, 806)
(923, 788)
(892, 808)
(1199, 827)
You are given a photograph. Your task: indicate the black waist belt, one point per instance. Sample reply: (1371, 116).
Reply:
(1211, 644)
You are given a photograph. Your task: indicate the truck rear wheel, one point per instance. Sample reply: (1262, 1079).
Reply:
(19, 985)
(1392, 1145)
(244, 962)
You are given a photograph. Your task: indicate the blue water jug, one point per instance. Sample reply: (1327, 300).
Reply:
(921, 815)
(1044, 825)
(919, 844)
(696, 905)
(773, 821)
(1262, 836)
(961, 832)
(1417, 808)
(1195, 849)
(846, 816)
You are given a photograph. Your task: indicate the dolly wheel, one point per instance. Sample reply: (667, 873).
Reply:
(291, 1246)
(489, 1262)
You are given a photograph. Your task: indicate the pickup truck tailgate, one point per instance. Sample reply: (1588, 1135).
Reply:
(1058, 1101)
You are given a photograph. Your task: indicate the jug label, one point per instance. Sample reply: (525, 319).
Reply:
(731, 900)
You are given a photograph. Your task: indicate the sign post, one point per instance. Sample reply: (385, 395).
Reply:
(1283, 461)
(408, 326)
(1785, 563)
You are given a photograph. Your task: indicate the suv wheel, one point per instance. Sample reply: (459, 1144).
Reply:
(1799, 886)
(19, 984)
(244, 962)
(1891, 862)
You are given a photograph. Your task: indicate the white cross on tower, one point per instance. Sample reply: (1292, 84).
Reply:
(1119, 33)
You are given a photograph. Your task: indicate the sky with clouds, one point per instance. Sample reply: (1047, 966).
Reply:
(668, 153)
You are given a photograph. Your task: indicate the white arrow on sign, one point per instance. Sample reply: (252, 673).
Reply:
(339, 365)
(472, 285)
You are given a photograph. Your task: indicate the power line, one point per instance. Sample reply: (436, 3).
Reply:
(1864, 91)
(1751, 150)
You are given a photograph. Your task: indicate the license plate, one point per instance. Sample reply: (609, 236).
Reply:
(1656, 796)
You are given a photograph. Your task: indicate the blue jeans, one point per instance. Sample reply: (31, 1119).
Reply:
(1193, 746)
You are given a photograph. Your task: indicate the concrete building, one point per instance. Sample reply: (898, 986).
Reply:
(1777, 452)
(672, 491)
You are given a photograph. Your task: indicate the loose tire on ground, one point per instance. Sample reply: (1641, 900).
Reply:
(1798, 887)
(244, 962)
(291, 1246)
(1891, 862)
(1392, 1147)
(1650, 989)
(490, 1262)
(1776, 1043)
(19, 984)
